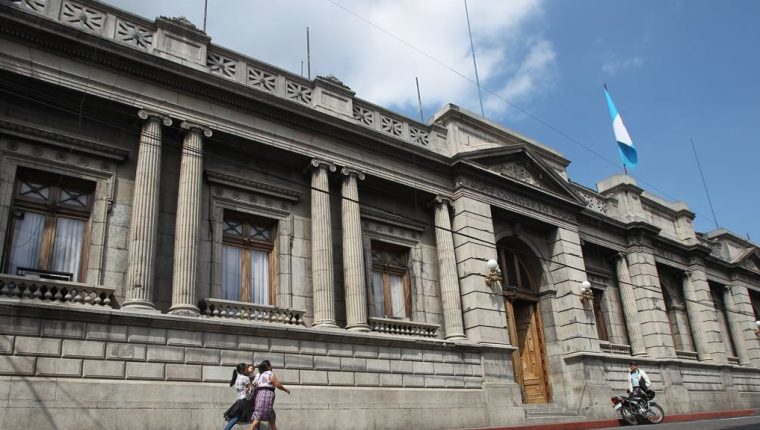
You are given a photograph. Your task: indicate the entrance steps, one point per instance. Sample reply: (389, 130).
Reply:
(548, 413)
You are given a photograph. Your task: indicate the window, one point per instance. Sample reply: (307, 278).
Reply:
(601, 325)
(247, 255)
(518, 276)
(49, 226)
(390, 281)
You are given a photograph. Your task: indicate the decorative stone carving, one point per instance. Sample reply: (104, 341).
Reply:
(390, 126)
(82, 16)
(331, 78)
(298, 92)
(518, 170)
(594, 203)
(364, 116)
(418, 136)
(220, 65)
(181, 20)
(33, 5)
(216, 308)
(261, 80)
(47, 290)
(133, 34)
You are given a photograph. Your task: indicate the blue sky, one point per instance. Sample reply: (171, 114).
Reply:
(676, 70)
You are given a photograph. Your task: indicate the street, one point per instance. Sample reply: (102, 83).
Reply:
(741, 423)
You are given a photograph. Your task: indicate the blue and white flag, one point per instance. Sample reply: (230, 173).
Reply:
(625, 144)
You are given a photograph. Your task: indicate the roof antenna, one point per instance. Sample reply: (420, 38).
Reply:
(699, 166)
(419, 100)
(472, 49)
(205, 14)
(308, 54)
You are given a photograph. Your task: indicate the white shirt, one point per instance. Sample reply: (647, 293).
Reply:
(633, 378)
(264, 379)
(240, 384)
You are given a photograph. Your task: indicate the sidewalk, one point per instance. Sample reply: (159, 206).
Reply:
(583, 425)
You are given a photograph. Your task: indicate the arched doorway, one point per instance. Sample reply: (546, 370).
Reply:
(520, 289)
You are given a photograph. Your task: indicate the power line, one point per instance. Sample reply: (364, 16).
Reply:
(500, 97)
(177, 144)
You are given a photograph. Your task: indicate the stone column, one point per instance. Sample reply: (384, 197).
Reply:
(321, 245)
(447, 271)
(630, 310)
(573, 320)
(143, 224)
(654, 323)
(188, 224)
(745, 318)
(353, 253)
(735, 324)
(705, 328)
(483, 314)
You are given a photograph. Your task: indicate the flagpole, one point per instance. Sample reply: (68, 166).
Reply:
(474, 63)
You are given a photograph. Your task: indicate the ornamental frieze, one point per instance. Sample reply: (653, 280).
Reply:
(514, 198)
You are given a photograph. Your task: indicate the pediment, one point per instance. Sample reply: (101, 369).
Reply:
(521, 165)
(750, 259)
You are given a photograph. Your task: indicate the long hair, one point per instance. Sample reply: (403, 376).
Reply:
(240, 368)
(264, 366)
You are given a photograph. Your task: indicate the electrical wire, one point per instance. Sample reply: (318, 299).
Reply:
(166, 141)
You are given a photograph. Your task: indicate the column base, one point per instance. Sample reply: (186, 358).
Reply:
(456, 337)
(358, 327)
(140, 306)
(639, 354)
(325, 324)
(184, 310)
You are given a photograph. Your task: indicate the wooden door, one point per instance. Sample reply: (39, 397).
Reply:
(530, 355)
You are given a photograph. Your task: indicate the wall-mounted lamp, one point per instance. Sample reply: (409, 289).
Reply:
(587, 295)
(757, 330)
(493, 277)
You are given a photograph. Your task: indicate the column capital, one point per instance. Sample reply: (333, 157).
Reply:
(442, 200)
(349, 171)
(316, 164)
(145, 114)
(191, 126)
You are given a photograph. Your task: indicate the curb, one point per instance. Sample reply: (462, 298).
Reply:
(598, 424)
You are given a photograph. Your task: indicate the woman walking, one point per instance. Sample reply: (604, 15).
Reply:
(242, 409)
(263, 409)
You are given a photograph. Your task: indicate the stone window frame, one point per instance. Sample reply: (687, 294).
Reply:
(600, 286)
(248, 197)
(88, 164)
(372, 230)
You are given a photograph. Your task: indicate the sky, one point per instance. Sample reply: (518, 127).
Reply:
(677, 70)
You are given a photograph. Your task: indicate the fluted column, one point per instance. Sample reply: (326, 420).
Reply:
(735, 322)
(321, 245)
(188, 224)
(143, 224)
(698, 331)
(630, 309)
(353, 253)
(447, 271)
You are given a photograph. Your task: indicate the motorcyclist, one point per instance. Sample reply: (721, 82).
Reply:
(638, 384)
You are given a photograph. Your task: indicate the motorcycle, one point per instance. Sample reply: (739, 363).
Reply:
(638, 408)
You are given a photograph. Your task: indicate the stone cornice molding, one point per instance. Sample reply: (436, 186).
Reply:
(227, 179)
(389, 218)
(56, 138)
(348, 172)
(317, 164)
(192, 127)
(146, 114)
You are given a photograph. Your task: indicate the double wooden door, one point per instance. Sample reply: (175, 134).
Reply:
(530, 357)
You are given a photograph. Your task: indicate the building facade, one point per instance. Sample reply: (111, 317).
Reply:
(170, 208)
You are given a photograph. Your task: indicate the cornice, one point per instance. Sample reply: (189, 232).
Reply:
(217, 177)
(61, 140)
(389, 218)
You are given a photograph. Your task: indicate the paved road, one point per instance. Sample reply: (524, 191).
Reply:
(742, 423)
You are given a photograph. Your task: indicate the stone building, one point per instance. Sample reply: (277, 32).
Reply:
(170, 208)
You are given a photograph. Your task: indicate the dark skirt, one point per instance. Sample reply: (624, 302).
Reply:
(264, 406)
(242, 409)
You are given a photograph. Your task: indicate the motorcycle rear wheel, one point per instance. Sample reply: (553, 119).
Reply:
(628, 416)
(656, 414)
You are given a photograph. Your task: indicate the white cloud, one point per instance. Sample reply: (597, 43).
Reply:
(513, 57)
(612, 66)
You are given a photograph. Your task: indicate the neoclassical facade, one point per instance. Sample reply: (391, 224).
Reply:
(170, 208)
